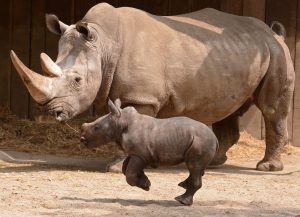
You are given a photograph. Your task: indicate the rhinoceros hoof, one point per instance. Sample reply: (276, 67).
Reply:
(115, 166)
(146, 188)
(218, 160)
(185, 200)
(274, 165)
(145, 184)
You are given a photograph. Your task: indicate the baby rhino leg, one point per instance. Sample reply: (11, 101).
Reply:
(184, 183)
(125, 164)
(197, 159)
(133, 169)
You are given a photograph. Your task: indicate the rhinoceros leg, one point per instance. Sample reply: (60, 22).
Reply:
(116, 165)
(125, 164)
(275, 113)
(227, 132)
(134, 173)
(276, 138)
(196, 161)
(273, 98)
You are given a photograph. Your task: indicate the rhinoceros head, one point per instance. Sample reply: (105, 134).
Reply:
(71, 82)
(105, 129)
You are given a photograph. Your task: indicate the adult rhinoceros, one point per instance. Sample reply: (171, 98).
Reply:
(206, 65)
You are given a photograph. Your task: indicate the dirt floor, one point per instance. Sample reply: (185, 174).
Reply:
(234, 189)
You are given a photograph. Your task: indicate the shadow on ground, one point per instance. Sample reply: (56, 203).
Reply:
(207, 208)
(127, 202)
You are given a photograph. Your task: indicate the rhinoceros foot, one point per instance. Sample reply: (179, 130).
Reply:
(185, 200)
(271, 165)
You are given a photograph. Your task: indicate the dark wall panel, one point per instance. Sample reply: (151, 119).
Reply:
(22, 28)
(232, 6)
(157, 7)
(21, 11)
(37, 42)
(140, 4)
(81, 7)
(5, 45)
(296, 111)
(64, 10)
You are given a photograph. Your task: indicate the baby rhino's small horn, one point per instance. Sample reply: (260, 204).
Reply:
(113, 109)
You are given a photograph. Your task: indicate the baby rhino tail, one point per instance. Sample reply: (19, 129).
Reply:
(279, 29)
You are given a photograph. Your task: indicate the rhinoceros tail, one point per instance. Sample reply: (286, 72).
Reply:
(279, 29)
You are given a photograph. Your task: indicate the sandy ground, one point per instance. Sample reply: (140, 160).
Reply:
(234, 189)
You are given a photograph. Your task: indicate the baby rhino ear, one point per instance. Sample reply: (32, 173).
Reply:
(118, 103)
(113, 109)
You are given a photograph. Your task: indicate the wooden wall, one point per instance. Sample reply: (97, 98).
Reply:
(22, 28)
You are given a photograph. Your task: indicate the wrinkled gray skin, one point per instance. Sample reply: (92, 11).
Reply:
(151, 141)
(207, 65)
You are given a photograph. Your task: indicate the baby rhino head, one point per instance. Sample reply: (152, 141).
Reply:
(103, 130)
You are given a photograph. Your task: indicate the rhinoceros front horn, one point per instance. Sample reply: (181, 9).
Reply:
(39, 87)
(50, 67)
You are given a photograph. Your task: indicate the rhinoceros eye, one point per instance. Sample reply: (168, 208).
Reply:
(78, 79)
(96, 127)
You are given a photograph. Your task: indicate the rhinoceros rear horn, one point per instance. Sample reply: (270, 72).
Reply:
(50, 67)
(39, 87)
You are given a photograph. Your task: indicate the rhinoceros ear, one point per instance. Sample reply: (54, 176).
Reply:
(55, 25)
(113, 109)
(83, 28)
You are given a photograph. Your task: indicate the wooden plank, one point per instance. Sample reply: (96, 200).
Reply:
(197, 5)
(37, 42)
(64, 10)
(157, 7)
(232, 6)
(5, 66)
(296, 111)
(296, 127)
(180, 7)
(297, 63)
(277, 10)
(19, 98)
(255, 8)
(132, 3)
(81, 7)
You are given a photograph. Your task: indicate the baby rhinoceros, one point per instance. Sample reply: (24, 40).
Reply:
(152, 142)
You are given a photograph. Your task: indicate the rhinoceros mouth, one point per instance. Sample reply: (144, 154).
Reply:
(62, 111)
(61, 116)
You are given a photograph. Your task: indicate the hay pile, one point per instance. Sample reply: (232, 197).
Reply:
(249, 147)
(47, 137)
(60, 139)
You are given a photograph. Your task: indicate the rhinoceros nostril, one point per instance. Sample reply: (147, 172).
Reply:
(60, 116)
(58, 113)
